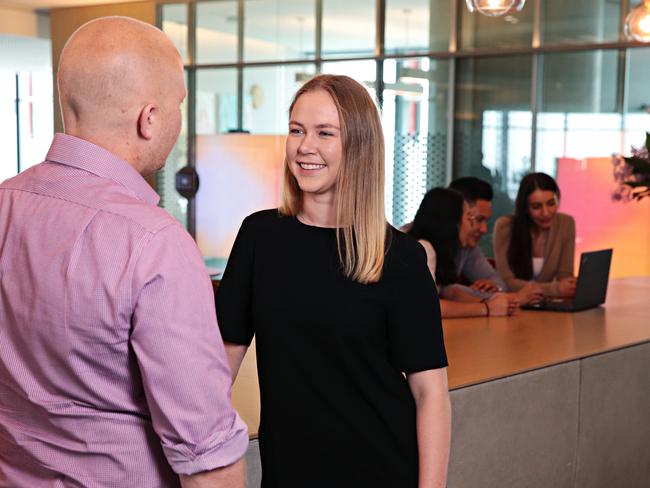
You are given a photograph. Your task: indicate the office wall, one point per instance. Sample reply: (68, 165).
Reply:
(587, 186)
(19, 22)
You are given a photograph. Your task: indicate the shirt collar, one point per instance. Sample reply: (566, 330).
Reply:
(79, 153)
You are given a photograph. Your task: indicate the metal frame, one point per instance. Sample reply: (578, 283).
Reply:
(536, 49)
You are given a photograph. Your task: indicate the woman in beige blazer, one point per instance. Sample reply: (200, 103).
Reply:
(537, 243)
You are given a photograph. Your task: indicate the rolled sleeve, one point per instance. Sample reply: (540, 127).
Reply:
(181, 357)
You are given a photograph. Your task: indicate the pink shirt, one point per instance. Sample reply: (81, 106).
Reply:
(112, 368)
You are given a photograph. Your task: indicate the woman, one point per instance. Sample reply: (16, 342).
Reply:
(537, 242)
(443, 225)
(350, 352)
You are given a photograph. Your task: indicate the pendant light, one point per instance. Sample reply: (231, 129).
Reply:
(637, 23)
(492, 8)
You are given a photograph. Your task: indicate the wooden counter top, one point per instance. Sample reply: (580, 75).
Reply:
(483, 349)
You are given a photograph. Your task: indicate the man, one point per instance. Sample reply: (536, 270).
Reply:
(472, 263)
(112, 369)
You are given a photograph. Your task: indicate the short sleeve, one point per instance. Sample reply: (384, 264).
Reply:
(416, 341)
(234, 295)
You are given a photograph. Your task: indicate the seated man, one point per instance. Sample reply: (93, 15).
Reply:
(471, 263)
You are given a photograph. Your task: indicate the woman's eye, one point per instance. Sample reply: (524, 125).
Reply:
(326, 134)
(294, 131)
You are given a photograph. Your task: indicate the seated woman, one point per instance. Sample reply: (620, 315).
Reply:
(443, 225)
(537, 242)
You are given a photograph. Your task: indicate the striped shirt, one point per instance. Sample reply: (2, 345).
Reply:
(112, 369)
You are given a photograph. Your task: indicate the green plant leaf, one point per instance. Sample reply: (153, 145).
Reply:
(647, 141)
(636, 184)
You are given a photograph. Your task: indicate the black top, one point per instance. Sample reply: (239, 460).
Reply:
(336, 409)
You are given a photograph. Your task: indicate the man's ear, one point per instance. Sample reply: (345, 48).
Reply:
(147, 121)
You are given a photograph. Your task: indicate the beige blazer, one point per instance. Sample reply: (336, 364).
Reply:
(558, 253)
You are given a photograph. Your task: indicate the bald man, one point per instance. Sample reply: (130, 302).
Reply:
(112, 369)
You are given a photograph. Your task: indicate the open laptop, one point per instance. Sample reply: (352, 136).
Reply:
(591, 287)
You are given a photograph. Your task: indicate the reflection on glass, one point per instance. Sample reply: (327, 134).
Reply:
(170, 200)
(268, 92)
(509, 31)
(348, 28)
(578, 115)
(415, 131)
(174, 24)
(580, 21)
(9, 163)
(492, 131)
(279, 30)
(417, 25)
(637, 117)
(36, 116)
(216, 32)
(216, 100)
(365, 72)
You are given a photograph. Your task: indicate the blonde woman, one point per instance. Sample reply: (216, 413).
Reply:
(350, 352)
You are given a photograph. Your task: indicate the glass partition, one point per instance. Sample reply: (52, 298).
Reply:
(348, 28)
(279, 30)
(578, 114)
(217, 31)
(580, 21)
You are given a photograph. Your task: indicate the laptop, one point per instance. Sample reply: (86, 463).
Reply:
(591, 287)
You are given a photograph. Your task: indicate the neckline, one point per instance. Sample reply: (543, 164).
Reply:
(311, 226)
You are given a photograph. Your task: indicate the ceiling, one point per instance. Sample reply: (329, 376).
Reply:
(45, 4)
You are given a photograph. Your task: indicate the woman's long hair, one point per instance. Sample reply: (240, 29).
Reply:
(359, 198)
(438, 221)
(520, 248)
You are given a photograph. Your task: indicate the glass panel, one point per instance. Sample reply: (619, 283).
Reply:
(170, 200)
(348, 28)
(637, 120)
(8, 162)
(216, 32)
(578, 115)
(268, 92)
(174, 24)
(216, 101)
(580, 21)
(279, 30)
(492, 133)
(414, 119)
(509, 31)
(36, 116)
(365, 72)
(413, 26)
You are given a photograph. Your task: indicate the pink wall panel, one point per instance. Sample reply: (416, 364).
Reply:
(586, 187)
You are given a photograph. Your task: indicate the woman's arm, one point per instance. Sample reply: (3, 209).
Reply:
(565, 268)
(433, 423)
(235, 354)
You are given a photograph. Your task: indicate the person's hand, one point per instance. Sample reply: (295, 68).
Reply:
(485, 286)
(502, 304)
(529, 294)
(567, 286)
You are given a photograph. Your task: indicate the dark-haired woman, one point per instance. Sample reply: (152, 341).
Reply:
(537, 242)
(443, 225)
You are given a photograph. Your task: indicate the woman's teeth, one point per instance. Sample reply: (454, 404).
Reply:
(311, 166)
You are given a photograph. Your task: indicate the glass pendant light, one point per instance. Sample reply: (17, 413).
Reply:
(494, 8)
(637, 23)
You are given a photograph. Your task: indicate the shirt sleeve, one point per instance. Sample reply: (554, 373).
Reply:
(180, 354)
(235, 291)
(416, 341)
(477, 267)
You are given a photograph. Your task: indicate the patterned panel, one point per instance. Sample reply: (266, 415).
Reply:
(419, 165)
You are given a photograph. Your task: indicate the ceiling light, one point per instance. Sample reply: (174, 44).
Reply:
(637, 23)
(492, 8)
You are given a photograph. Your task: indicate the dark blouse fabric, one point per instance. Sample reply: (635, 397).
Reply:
(336, 410)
